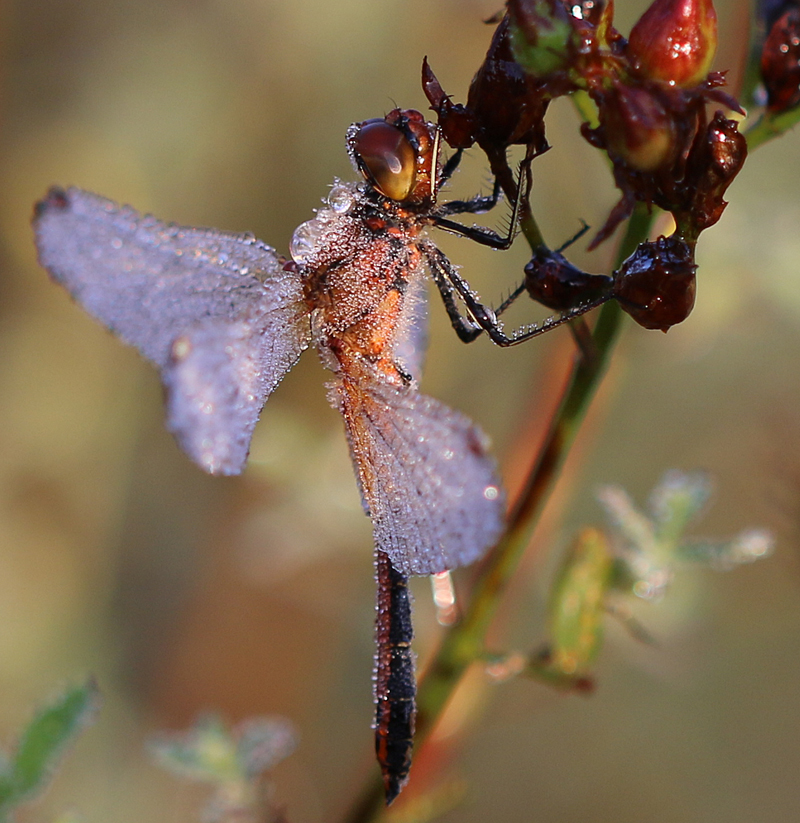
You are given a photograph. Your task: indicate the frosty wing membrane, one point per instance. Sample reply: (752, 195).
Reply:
(217, 382)
(150, 281)
(411, 335)
(216, 312)
(429, 486)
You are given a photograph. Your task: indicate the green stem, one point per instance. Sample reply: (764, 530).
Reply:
(463, 644)
(771, 125)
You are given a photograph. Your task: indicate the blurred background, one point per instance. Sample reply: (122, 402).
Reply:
(254, 595)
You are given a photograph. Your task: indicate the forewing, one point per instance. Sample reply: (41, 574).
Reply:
(216, 312)
(146, 280)
(426, 480)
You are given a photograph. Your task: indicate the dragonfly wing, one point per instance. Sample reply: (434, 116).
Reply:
(217, 382)
(411, 335)
(426, 480)
(216, 312)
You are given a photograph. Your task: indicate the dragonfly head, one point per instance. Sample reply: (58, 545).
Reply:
(398, 156)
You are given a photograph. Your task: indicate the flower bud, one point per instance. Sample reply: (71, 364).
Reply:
(541, 35)
(656, 284)
(780, 62)
(637, 128)
(674, 41)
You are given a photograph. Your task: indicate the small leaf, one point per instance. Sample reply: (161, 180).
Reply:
(577, 606)
(263, 743)
(676, 501)
(205, 753)
(632, 525)
(44, 740)
(724, 555)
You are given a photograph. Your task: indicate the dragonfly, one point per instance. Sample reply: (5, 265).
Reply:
(224, 317)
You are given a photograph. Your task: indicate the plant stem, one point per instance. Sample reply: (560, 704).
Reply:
(770, 126)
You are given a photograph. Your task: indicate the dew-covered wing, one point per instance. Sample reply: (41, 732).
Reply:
(216, 312)
(426, 480)
(218, 379)
(411, 334)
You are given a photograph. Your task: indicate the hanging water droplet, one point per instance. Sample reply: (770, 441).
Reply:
(305, 240)
(341, 199)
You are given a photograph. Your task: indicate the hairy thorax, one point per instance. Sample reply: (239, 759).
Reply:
(358, 258)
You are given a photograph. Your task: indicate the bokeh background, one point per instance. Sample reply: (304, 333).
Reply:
(254, 595)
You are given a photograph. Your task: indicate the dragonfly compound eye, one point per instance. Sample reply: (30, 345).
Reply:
(386, 158)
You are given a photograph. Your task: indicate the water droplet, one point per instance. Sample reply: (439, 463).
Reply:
(341, 199)
(491, 492)
(304, 241)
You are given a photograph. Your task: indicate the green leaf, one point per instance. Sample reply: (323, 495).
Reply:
(770, 126)
(577, 605)
(263, 743)
(206, 752)
(43, 742)
(746, 547)
(636, 529)
(675, 502)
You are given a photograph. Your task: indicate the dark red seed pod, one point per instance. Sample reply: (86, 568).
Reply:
(504, 105)
(780, 62)
(656, 284)
(553, 281)
(713, 166)
(507, 104)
